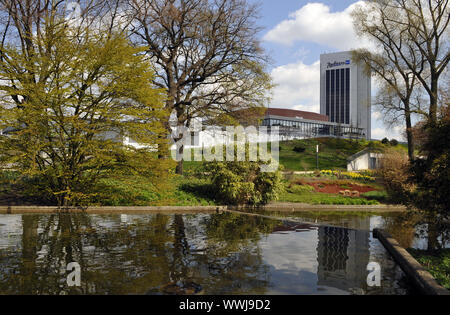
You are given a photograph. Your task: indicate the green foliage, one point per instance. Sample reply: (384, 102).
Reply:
(300, 189)
(367, 176)
(299, 149)
(244, 183)
(393, 143)
(380, 196)
(438, 264)
(71, 104)
(433, 174)
(126, 190)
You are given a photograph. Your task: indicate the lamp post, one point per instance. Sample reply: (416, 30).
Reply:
(317, 156)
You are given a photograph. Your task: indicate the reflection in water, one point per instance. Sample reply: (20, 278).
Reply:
(343, 257)
(186, 254)
(407, 228)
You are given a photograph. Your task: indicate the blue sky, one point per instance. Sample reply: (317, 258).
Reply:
(295, 34)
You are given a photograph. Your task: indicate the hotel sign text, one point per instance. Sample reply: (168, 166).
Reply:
(338, 64)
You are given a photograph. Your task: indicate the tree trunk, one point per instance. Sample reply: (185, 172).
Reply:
(180, 153)
(179, 269)
(433, 101)
(180, 168)
(409, 133)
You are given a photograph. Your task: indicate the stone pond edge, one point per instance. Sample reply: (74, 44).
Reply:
(421, 278)
(281, 207)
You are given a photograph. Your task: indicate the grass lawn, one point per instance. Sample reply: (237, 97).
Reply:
(137, 191)
(438, 264)
(124, 190)
(300, 155)
(326, 189)
(192, 191)
(333, 153)
(314, 198)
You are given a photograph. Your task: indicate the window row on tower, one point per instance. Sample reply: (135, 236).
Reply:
(338, 95)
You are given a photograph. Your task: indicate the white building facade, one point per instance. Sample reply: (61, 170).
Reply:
(364, 160)
(345, 92)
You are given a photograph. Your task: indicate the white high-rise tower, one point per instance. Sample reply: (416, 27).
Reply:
(345, 92)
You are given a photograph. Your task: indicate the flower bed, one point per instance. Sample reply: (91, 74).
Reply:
(363, 176)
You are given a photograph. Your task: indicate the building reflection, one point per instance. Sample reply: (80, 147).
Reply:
(343, 256)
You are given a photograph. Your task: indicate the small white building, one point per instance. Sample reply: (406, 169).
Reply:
(367, 159)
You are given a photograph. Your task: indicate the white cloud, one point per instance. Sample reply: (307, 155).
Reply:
(296, 84)
(301, 53)
(315, 22)
(393, 133)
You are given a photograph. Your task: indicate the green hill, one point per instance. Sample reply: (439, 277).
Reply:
(300, 155)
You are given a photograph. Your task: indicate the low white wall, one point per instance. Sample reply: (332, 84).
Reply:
(358, 164)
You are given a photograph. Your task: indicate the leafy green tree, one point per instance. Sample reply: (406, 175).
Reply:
(71, 103)
(433, 175)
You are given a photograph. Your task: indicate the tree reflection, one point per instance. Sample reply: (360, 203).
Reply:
(402, 227)
(146, 253)
(29, 247)
(408, 227)
(233, 254)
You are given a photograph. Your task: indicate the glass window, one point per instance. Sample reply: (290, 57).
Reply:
(343, 104)
(327, 94)
(338, 95)
(347, 96)
(332, 103)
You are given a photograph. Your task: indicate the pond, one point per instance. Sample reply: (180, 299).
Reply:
(405, 227)
(189, 254)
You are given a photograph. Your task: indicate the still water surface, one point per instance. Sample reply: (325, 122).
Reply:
(186, 254)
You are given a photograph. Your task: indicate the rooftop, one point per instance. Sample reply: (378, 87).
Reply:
(296, 114)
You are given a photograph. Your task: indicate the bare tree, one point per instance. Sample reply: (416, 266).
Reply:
(403, 66)
(397, 80)
(428, 23)
(414, 37)
(207, 55)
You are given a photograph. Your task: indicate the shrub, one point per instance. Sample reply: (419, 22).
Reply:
(393, 143)
(385, 141)
(299, 149)
(300, 189)
(395, 172)
(380, 196)
(243, 183)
